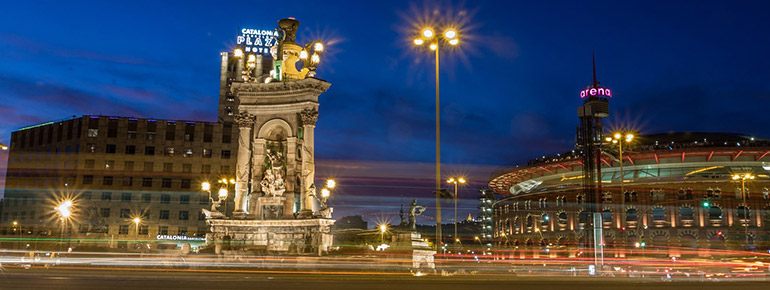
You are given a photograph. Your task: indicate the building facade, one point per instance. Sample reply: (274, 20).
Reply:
(115, 169)
(677, 197)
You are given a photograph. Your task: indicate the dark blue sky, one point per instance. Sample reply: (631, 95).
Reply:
(508, 95)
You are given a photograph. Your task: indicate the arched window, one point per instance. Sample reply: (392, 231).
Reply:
(545, 219)
(562, 217)
(743, 213)
(583, 217)
(530, 222)
(715, 213)
(634, 196)
(632, 215)
(686, 213)
(658, 214)
(607, 216)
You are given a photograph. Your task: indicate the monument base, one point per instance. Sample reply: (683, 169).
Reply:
(290, 237)
(418, 253)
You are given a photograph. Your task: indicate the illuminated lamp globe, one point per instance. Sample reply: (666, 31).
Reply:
(450, 34)
(383, 228)
(318, 47)
(137, 220)
(418, 41)
(315, 58)
(629, 137)
(330, 183)
(205, 186)
(223, 193)
(454, 41)
(433, 46)
(325, 192)
(238, 52)
(428, 33)
(461, 180)
(232, 180)
(617, 136)
(303, 54)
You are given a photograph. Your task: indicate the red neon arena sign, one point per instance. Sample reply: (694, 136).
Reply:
(592, 92)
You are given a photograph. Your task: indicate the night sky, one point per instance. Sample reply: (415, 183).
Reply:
(509, 93)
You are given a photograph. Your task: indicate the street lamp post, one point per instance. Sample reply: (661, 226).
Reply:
(65, 211)
(456, 181)
(16, 226)
(450, 36)
(743, 178)
(383, 228)
(617, 139)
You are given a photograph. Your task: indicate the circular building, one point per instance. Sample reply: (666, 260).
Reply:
(678, 196)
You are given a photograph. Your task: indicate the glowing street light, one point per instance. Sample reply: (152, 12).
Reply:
(3, 147)
(743, 178)
(205, 186)
(65, 211)
(451, 36)
(330, 183)
(617, 139)
(383, 229)
(222, 193)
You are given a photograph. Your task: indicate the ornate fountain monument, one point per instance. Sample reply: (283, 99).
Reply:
(277, 209)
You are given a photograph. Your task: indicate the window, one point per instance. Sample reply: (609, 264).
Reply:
(607, 216)
(166, 183)
(130, 149)
(148, 167)
(132, 125)
(225, 169)
(128, 181)
(206, 153)
(88, 179)
(189, 131)
(144, 229)
(169, 151)
(89, 163)
(93, 132)
(686, 213)
(743, 213)
(163, 214)
(87, 195)
(149, 150)
(658, 214)
(125, 213)
(104, 212)
(227, 131)
(126, 197)
(147, 181)
(184, 199)
(109, 164)
(170, 131)
(208, 132)
(182, 231)
(163, 230)
(715, 213)
(128, 166)
(632, 215)
(107, 196)
(146, 197)
(206, 169)
(123, 230)
(110, 149)
(201, 216)
(186, 183)
(107, 180)
(165, 198)
(186, 168)
(225, 154)
(168, 167)
(184, 215)
(188, 152)
(91, 148)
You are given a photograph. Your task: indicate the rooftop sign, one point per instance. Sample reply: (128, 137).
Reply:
(257, 41)
(179, 238)
(594, 92)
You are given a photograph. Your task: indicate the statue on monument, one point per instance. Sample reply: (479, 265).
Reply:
(414, 210)
(273, 183)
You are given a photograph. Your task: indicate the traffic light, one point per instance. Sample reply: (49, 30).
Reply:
(706, 203)
(643, 244)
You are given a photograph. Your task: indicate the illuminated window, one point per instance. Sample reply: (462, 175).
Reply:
(686, 213)
(658, 214)
(632, 215)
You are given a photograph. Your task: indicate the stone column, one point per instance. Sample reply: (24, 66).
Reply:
(245, 124)
(309, 117)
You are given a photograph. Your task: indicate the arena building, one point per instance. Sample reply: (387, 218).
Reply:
(677, 197)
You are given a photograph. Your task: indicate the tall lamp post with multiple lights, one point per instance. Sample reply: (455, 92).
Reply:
(450, 36)
(456, 181)
(617, 138)
(743, 178)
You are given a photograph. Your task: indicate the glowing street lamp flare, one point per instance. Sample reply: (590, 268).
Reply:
(325, 193)
(223, 193)
(418, 41)
(617, 136)
(318, 47)
(303, 54)
(461, 180)
(433, 46)
(383, 228)
(238, 52)
(205, 186)
(232, 180)
(330, 183)
(137, 220)
(454, 41)
(428, 33)
(450, 34)
(315, 58)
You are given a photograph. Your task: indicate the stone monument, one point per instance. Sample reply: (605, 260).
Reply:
(276, 207)
(408, 241)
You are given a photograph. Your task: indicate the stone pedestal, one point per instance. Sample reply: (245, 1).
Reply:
(416, 251)
(291, 237)
(270, 208)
